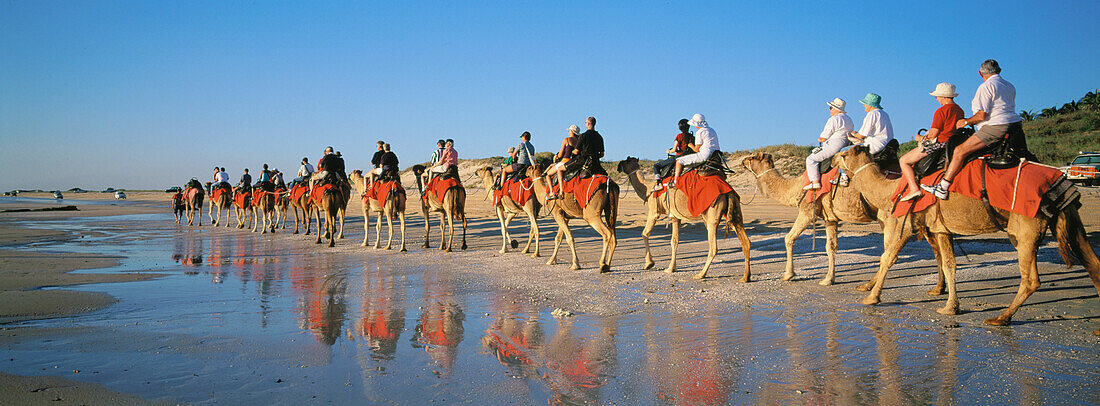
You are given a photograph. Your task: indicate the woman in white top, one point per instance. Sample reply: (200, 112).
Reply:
(833, 138)
(876, 131)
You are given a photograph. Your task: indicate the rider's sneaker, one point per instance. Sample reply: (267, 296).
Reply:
(841, 180)
(812, 186)
(551, 197)
(938, 190)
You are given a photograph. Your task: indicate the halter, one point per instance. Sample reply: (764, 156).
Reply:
(761, 173)
(861, 168)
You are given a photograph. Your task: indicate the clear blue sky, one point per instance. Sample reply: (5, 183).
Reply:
(147, 94)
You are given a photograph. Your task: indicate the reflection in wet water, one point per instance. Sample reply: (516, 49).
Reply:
(312, 323)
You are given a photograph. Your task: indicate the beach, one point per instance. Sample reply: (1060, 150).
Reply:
(304, 321)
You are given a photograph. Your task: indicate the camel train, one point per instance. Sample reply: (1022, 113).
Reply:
(869, 198)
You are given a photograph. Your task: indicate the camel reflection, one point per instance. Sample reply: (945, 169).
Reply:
(321, 301)
(383, 314)
(514, 336)
(439, 329)
(578, 366)
(693, 367)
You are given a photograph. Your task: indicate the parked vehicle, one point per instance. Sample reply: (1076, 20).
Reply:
(57, 195)
(173, 189)
(120, 195)
(1085, 168)
(109, 190)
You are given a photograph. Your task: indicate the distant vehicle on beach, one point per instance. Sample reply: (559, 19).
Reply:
(1085, 168)
(120, 195)
(173, 189)
(109, 190)
(12, 193)
(57, 195)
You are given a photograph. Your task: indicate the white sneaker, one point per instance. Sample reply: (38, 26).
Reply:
(812, 186)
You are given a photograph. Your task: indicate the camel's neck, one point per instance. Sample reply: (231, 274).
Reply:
(539, 184)
(874, 186)
(357, 182)
(419, 182)
(783, 190)
(487, 183)
(639, 186)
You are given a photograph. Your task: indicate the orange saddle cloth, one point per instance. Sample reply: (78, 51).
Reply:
(241, 199)
(439, 187)
(701, 190)
(297, 191)
(582, 189)
(520, 192)
(1019, 190)
(379, 191)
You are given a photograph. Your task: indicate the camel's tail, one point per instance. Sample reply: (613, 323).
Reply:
(1073, 242)
(460, 204)
(611, 209)
(733, 213)
(398, 206)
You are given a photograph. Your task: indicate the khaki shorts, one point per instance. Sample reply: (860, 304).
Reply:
(991, 134)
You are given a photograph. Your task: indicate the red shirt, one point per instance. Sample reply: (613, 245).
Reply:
(945, 119)
(682, 141)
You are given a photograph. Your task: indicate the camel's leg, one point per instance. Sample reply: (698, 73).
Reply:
(941, 258)
(597, 223)
(534, 232)
(830, 250)
(295, 208)
(317, 212)
(340, 212)
(712, 244)
(804, 219)
(675, 243)
(366, 224)
(1026, 250)
(650, 220)
(389, 230)
(572, 244)
(947, 270)
(463, 231)
(378, 230)
(427, 225)
(885, 262)
(444, 243)
(503, 229)
(330, 225)
(557, 244)
(745, 246)
(401, 216)
(256, 220)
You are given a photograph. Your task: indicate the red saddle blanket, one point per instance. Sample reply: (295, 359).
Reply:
(298, 191)
(319, 192)
(379, 191)
(520, 192)
(217, 193)
(258, 194)
(439, 187)
(826, 185)
(582, 189)
(1018, 190)
(190, 193)
(242, 199)
(701, 190)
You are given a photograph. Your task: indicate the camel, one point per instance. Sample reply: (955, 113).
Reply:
(223, 201)
(263, 210)
(673, 203)
(842, 204)
(451, 208)
(507, 209)
(282, 203)
(334, 202)
(600, 213)
(394, 206)
(968, 216)
(193, 200)
(243, 209)
(302, 204)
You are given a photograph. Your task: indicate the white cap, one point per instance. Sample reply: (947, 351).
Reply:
(698, 120)
(838, 104)
(944, 90)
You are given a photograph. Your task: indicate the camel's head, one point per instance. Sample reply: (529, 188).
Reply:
(758, 162)
(628, 165)
(853, 158)
(535, 170)
(418, 170)
(357, 172)
(486, 172)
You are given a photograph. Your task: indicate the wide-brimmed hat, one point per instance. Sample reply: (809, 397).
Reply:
(574, 129)
(698, 120)
(944, 90)
(838, 104)
(872, 100)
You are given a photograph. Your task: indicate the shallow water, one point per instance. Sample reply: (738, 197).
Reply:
(299, 323)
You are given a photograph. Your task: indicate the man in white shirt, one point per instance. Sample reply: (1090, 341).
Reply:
(876, 130)
(223, 177)
(833, 138)
(994, 108)
(304, 171)
(706, 143)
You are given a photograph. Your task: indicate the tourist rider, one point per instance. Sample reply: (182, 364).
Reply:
(437, 155)
(943, 127)
(277, 179)
(994, 108)
(684, 140)
(375, 160)
(525, 156)
(589, 149)
(304, 171)
(246, 179)
(833, 137)
(265, 175)
(223, 177)
(707, 144)
(876, 130)
(329, 162)
(387, 165)
(447, 159)
(564, 155)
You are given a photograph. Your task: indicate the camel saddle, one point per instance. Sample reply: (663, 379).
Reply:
(450, 173)
(381, 190)
(218, 190)
(520, 191)
(583, 188)
(584, 168)
(1003, 154)
(700, 189)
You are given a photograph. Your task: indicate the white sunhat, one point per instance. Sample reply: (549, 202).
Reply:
(574, 129)
(698, 120)
(944, 90)
(838, 104)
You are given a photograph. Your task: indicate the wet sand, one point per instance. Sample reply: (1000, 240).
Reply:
(650, 312)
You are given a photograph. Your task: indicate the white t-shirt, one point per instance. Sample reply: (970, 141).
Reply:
(223, 177)
(707, 139)
(998, 98)
(837, 126)
(305, 170)
(877, 130)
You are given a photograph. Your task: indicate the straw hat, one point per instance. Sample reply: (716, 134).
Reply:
(838, 104)
(574, 129)
(698, 120)
(944, 90)
(872, 100)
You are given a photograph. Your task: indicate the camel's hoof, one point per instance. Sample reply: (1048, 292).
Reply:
(464, 246)
(425, 246)
(331, 244)
(364, 244)
(935, 292)
(788, 277)
(866, 287)
(870, 301)
(948, 310)
(745, 280)
(997, 321)
(699, 276)
(825, 282)
(605, 268)
(502, 251)
(295, 232)
(403, 249)
(447, 250)
(574, 267)
(535, 255)
(670, 270)
(551, 262)
(649, 265)
(317, 242)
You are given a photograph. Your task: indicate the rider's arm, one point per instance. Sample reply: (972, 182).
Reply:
(930, 135)
(975, 119)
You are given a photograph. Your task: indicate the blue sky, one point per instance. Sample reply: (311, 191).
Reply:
(148, 94)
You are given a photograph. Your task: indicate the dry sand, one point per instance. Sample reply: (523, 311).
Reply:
(1059, 303)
